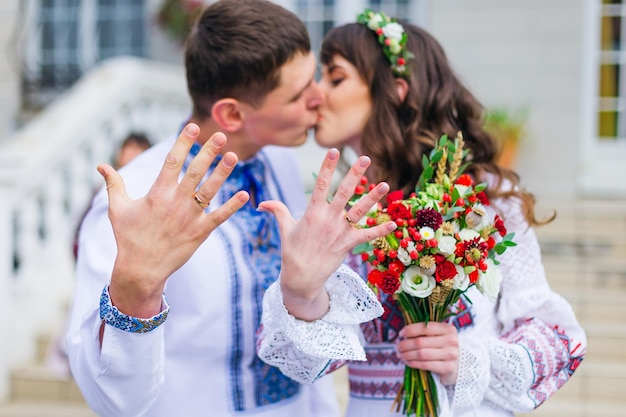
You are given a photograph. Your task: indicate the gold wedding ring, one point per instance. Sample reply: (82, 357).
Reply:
(350, 222)
(200, 202)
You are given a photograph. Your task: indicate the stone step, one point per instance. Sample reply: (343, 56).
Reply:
(39, 384)
(606, 342)
(51, 409)
(556, 407)
(610, 275)
(597, 380)
(597, 308)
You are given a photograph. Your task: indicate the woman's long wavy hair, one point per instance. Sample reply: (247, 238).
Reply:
(398, 133)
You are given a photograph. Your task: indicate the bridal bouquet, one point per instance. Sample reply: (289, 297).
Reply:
(445, 243)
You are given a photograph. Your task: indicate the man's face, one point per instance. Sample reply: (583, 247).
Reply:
(288, 111)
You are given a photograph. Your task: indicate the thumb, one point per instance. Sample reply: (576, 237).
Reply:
(279, 210)
(114, 182)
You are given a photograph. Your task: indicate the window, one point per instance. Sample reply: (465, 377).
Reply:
(319, 17)
(64, 38)
(120, 28)
(611, 123)
(396, 8)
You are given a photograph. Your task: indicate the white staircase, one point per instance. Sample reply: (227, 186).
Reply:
(38, 391)
(47, 177)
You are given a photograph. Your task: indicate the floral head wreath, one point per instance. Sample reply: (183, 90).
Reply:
(392, 38)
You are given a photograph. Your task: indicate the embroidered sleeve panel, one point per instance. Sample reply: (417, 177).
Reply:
(530, 363)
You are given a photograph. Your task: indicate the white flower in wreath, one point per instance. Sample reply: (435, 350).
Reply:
(375, 21)
(489, 281)
(417, 284)
(393, 31)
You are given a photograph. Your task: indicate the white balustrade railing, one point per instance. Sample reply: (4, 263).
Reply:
(47, 178)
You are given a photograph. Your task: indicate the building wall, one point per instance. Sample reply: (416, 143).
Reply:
(509, 53)
(9, 80)
(524, 53)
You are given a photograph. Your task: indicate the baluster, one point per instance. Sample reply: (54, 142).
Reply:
(28, 242)
(57, 261)
(6, 287)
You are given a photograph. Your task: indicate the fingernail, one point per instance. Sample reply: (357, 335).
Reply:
(391, 226)
(218, 140)
(192, 129)
(229, 160)
(384, 187)
(333, 154)
(364, 161)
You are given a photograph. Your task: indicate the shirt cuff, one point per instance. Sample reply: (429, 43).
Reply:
(113, 317)
(336, 334)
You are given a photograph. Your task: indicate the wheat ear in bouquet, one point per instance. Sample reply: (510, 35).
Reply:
(445, 243)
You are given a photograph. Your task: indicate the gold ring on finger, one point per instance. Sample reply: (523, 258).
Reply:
(350, 222)
(200, 202)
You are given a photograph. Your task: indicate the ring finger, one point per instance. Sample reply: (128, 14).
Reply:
(207, 190)
(361, 207)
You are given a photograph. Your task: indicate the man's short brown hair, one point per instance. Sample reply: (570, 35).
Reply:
(237, 48)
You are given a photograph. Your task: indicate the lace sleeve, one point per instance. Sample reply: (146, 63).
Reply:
(304, 350)
(473, 377)
(541, 342)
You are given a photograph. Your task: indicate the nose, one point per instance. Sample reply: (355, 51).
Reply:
(317, 96)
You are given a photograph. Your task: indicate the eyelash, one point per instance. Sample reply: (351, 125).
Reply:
(336, 82)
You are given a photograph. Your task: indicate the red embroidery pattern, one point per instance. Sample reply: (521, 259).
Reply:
(549, 348)
(379, 377)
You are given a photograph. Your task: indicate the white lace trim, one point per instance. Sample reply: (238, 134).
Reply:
(473, 376)
(511, 376)
(301, 349)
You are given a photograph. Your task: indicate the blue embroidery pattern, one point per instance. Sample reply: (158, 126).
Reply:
(113, 317)
(261, 247)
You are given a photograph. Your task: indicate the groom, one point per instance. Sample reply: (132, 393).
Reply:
(133, 352)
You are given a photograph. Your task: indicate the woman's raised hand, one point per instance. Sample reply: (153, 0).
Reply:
(314, 246)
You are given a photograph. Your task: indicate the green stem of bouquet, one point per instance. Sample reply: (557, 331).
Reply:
(418, 394)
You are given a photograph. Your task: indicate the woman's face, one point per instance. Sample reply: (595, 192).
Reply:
(346, 108)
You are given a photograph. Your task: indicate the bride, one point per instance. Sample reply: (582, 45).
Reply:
(389, 94)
